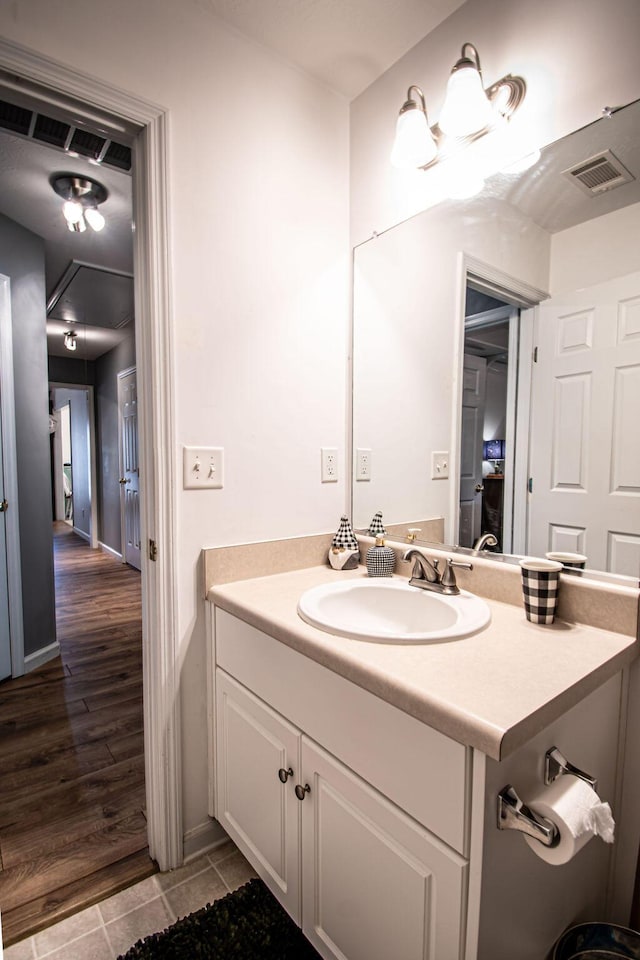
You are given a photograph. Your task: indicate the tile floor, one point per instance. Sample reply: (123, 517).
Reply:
(108, 929)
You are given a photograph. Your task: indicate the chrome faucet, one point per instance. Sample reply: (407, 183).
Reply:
(427, 575)
(486, 540)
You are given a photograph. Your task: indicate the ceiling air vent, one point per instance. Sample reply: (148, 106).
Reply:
(599, 173)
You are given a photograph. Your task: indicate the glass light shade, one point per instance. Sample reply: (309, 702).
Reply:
(466, 108)
(94, 218)
(70, 340)
(414, 145)
(72, 211)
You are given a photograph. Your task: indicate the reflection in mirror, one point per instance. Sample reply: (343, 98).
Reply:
(545, 263)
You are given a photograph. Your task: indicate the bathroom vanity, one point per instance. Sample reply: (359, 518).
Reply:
(361, 779)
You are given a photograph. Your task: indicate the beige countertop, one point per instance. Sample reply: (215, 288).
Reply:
(492, 691)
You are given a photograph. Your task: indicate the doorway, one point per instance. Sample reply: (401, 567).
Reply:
(144, 124)
(489, 387)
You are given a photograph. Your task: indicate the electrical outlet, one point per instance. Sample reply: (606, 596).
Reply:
(439, 465)
(363, 464)
(329, 461)
(203, 468)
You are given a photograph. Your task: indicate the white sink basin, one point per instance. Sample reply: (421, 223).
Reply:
(390, 611)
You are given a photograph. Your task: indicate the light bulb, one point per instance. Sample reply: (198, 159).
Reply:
(78, 227)
(414, 145)
(466, 108)
(72, 211)
(94, 218)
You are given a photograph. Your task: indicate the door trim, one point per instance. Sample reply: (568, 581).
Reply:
(14, 573)
(144, 125)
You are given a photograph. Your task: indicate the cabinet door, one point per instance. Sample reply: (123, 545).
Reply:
(375, 884)
(259, 812)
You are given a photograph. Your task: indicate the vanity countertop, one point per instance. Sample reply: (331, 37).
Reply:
(492, 691)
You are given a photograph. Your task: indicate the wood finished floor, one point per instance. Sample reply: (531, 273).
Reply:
(72, 820)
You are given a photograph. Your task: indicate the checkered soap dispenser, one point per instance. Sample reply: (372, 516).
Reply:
(344, 552)
(380, 559)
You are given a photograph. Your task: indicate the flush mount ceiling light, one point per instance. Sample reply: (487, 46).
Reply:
(71, 340)
(470, 111)
(81, 196)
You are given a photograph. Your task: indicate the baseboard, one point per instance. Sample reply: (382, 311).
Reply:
(33, 660)
(81, 533)
(201, 839)
(110, 550)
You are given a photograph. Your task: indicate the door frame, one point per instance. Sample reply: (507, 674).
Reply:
(521, 294)
(10, 466)
(143, 124)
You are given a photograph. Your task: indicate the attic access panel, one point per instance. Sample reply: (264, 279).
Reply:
(93, 296)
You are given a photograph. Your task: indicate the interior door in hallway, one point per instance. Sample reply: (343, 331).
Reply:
(5, 636)
(129, 467)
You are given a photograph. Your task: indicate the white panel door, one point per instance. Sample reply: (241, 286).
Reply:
(129, 468)
(256, 750)
(375, 884)
(474, 388)
(584, 446)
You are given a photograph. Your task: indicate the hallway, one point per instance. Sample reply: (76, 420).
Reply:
(72, 824)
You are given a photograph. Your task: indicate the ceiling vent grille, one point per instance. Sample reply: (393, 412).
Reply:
(599, 173)
(63, 136)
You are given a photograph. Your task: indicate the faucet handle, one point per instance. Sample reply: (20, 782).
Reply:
(449, 576)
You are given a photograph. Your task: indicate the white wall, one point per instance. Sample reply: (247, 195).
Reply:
(595, 251)
(576, 56)
(258, 214)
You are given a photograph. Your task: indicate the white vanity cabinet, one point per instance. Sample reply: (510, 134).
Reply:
(393, 850)
(364, 880)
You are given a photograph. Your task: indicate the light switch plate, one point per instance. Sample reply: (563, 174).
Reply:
(203, 468)
(439, 465)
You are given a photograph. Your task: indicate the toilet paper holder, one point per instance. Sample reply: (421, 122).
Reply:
(514, 814)
(555, 764)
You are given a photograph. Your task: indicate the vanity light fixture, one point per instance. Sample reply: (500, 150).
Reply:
(414, 145)
(71, 340)
(469, 112)
(81, 196)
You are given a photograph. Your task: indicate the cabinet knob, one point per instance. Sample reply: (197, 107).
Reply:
(301, 791)
(285, 774)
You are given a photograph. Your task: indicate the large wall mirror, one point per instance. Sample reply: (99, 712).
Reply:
(496, 360)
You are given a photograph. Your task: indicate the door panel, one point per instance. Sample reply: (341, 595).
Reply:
(474, 387)
(375, 884)
(5, 635)
(255, 807)
(584, 458)
(129, 469)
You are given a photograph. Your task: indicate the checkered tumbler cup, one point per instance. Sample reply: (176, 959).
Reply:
(540, 585)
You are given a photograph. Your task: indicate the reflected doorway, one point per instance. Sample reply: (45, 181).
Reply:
(491, 333)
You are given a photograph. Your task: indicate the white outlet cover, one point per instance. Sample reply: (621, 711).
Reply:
(439, 465)
(203, 468)
(329, 464)
(363, 463)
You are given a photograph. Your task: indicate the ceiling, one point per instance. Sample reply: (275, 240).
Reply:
(346, 44)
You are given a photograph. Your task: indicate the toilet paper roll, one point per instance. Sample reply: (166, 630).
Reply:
(578, 813)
